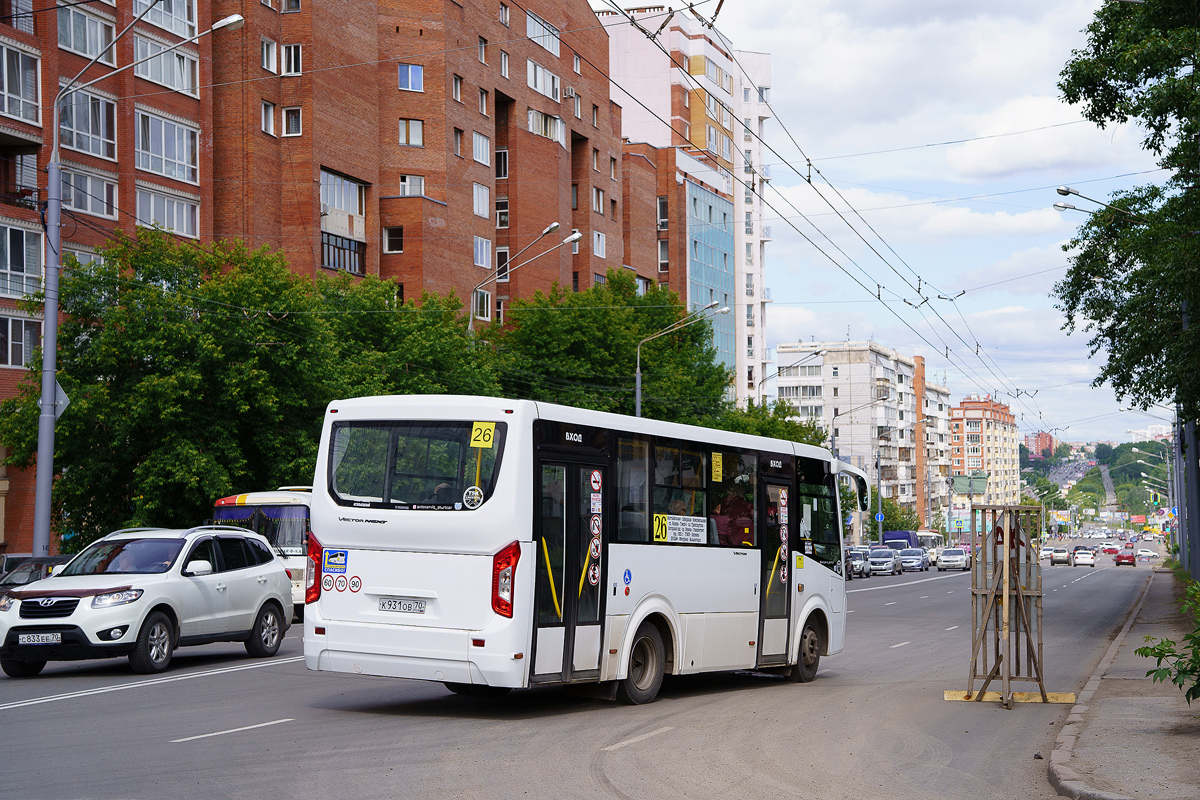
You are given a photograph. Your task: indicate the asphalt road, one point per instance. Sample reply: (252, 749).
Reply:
(873, 724)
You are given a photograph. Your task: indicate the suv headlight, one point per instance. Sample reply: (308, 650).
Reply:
(116, 598)
(7, 601)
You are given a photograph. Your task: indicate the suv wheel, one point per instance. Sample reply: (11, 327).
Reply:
(155, 642)
(21, 669)
(267, 633)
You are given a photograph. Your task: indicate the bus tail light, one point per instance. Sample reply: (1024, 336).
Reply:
(312, 589)
(504, 570)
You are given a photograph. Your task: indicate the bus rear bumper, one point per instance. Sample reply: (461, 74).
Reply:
(447, 656)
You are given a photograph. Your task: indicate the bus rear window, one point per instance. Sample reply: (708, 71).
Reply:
(441, 466)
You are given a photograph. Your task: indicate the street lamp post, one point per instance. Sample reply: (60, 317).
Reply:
(495, 273)
(690, 319)
(48, 403)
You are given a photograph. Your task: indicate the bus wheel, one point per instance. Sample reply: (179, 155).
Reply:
(646, 661)
(805, 668)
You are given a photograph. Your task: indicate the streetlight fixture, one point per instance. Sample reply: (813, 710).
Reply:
(690, 319)
(495, 274)
(49, 400)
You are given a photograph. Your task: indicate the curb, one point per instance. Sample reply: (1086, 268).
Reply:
(1066, 781)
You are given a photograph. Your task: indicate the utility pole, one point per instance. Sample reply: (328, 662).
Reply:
(879, 494)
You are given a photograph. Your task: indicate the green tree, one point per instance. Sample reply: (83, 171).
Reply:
(580, 349)
(897, 517)
(1135, 267)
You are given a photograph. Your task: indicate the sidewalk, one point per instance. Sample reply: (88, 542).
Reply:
(1128, 737)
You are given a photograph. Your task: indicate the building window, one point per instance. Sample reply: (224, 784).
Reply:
(170, 213)
(574, 196)
(393, 239)
(504, 15)
(482, 50)
(412, 77)
(599, 243)
(292, 121)
(578, 63)
(177, 16)
(595, 116)
(340, 253)
(483, 101)
(412, 133)
(612, 207)
(578, 106)
(176, 70)
(458, 137)
(597, 200)
(575, 249)
(343, 193)
(483, 304)
(269, 56)
(292, 59)
(662, 213)
(21, 265)
(501, 212)
(764, 94)
(598, 279)
(88, 123)
(541, 32)
(412, 185)
(89, 194)
(546, 125)
(595, 159)
(19, 85)
(543, 81)
(501, 164)
(291, 5)
(167, 148)
(268, 117)
(483, 200)
(456, 88)
(664, 262)
(483, 252)
(612, 168)
(18, 339)
(501, 264)
(503, 64)
(84, 34)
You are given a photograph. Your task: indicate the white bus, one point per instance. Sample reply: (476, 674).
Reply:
(280, 516)
(490, 544)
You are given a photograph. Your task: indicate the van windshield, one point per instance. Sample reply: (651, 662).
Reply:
(442, 466)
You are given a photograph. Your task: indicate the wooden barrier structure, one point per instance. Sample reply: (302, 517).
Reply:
(1006, 608)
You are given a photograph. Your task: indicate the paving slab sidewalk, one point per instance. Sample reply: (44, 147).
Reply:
(1128, 737)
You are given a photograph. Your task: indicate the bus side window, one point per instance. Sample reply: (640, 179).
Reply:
(731, 488)
(633, 470)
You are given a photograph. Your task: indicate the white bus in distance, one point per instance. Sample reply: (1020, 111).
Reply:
(492, 544)
(282, 518)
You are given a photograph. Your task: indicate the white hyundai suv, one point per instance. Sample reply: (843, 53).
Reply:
(144, 592)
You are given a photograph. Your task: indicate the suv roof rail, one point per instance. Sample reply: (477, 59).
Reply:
(131, 530)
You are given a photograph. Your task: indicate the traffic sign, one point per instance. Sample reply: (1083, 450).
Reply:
(1175, 511)
(879, 516)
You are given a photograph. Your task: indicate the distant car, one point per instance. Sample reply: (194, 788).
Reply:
(954, 558)
(141, 593)
(1045, 552)
(860, 565)
(914, 558)
(1083, 558)
(1060, 556)
(1144, 553)
(1109, 549)
(1125, 557)
(30, 570)
(885, 560)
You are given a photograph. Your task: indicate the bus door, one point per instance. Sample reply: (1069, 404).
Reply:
(775, 600)
(570, 535)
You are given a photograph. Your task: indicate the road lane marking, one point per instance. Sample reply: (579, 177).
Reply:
(952, 627)
(636, 739)
(923, 597)
(909, 583)
(151, 682)
(891, 603)
(231, 730)
(893, 647)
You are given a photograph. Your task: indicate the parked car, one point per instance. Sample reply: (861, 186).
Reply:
(141, 593)
(1125, 557)
(1060, 556)
(860, 564)
(30, 570)
(1083, 558)
(1144, 553)
(954, 558)
(914, 558)
(885, 560)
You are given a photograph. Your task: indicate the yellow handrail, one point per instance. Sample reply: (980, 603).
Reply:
(550, 572)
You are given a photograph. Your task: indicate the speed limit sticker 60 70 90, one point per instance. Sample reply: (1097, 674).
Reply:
(355, 583)
(327, 583)
(340, 583)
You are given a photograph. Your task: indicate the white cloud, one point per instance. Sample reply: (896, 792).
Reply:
(1033, 270)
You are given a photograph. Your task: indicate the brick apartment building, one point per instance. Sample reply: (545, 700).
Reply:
(983, 438)
(425, 142)
(1038, 443)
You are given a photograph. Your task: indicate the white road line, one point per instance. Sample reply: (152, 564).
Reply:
(636, 739)
(952, 627)
(923, 597)
(891, 603)
(908, 583)
(231, 730)
(850, 611)
(150, 682)
(893, 647)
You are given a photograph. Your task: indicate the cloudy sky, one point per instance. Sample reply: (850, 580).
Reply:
(937, 124)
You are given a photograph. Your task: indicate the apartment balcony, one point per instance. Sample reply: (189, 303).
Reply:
(12, 194)
(765, 172)
(766, 295)
(766, 232)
